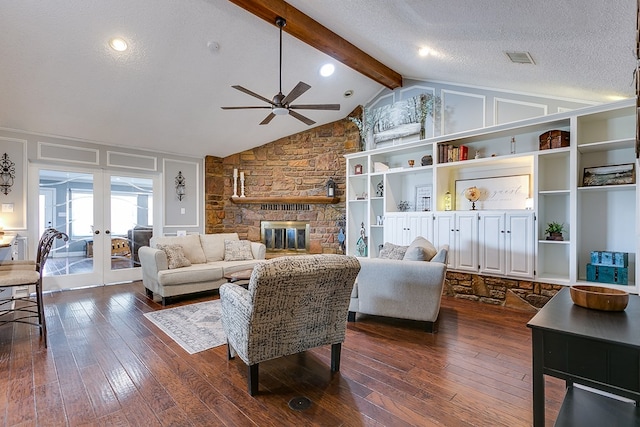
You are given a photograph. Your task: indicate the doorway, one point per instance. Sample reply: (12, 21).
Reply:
(107, 216)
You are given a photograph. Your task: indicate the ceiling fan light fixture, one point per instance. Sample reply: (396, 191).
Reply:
(280, 111)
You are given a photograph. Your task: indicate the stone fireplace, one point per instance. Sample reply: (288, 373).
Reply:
(285, 237)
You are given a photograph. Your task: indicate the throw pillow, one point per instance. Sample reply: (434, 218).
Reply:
(237, 250)
(175, 256)
(420, 250)
(391, 251)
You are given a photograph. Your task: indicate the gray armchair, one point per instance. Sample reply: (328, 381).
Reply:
(292, 304)
(401, 288)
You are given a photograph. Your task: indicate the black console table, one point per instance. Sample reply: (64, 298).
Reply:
(595, 348)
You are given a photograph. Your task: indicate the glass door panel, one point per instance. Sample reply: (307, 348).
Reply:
(66, 203)
(129, 223)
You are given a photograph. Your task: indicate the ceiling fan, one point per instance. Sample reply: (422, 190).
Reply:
(281, 105)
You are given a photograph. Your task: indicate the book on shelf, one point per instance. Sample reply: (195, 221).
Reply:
(464, 152)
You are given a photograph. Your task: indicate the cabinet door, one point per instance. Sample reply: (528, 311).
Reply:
(426, 227)
(491, 237)
(393, 229)
(520, 243)
(412, 229)
(443, 232)
(466, 242)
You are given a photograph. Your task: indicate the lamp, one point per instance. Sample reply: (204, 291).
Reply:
(331, 188)
(180, 185)
(7, 174)
(473, 195)
(447, 201)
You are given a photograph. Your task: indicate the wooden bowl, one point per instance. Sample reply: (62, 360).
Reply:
(599, 298)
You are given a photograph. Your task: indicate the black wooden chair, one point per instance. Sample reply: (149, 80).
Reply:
(25, 309)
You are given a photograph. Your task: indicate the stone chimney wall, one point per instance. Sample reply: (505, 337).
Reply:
(297, 165)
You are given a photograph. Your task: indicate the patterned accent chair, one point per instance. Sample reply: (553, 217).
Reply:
(292, 304)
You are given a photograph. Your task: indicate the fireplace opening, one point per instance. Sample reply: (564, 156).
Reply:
(285, 237)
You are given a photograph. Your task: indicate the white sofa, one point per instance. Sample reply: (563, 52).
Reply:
(403, 288)
(205, 254)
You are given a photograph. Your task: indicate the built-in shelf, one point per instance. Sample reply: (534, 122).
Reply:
(286, 199)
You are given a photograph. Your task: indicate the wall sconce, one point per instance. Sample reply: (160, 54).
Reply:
(7, 174)
(331, 188)
(180, 185)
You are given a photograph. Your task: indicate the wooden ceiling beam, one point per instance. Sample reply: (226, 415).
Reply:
(320, 37)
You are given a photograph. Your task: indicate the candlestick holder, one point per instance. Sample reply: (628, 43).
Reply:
(235, 186)
(242, 187)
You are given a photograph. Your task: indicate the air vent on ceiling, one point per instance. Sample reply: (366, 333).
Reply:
(520, 57)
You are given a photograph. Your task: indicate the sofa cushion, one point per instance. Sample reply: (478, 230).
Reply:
(237, 250)
(213, 245)
(190, 245)
(420, 250)
(197, 273)
(175, 256)
(391, 251)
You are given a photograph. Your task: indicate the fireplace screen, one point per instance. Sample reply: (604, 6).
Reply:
(285, 236)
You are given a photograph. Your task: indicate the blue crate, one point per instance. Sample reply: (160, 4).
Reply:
(608, 274)
(615, 259)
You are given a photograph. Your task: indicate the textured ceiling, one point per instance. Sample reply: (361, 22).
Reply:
(58, 76)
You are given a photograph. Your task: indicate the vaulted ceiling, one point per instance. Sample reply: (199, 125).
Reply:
(58, 75)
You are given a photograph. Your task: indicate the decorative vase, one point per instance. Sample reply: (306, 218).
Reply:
(426, 160)
(555, 236)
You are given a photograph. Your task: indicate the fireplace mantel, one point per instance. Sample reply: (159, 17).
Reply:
(286, 199)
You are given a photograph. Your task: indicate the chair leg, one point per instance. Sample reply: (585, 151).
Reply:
(149, 293)
(432, 327)
(41, 316)
(351, 317)
(230, 353)
(335, 357)
(252, 379)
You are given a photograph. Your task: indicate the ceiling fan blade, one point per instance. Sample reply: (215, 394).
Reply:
(267, 119)
(335, 107)
(302, 118)
(248, 92)
(300, 88)
(242, 108)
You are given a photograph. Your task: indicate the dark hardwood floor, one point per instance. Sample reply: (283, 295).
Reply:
(107, 365)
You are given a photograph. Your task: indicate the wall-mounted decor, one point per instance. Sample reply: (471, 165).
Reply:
(423, 198)
(609, 175)
(180, 185)
(402, 118)
(7, 174)
(505, 192)
(331, 188)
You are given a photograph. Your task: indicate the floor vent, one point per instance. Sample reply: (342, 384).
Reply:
(299, 403)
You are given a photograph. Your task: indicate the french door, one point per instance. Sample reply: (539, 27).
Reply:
(107, 216)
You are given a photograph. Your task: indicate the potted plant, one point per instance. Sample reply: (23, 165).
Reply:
(554, 231)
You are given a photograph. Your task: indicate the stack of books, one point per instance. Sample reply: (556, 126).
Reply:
(449, 153)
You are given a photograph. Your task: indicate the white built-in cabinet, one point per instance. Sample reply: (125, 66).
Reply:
(459, 231)
(506, 241)
(402, 228)
(509, 243)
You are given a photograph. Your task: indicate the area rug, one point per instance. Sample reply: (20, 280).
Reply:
(196, 327)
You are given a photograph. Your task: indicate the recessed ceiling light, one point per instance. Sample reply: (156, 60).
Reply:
(424, 51)
(118, 44)
(326, 70)
(348, 93)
